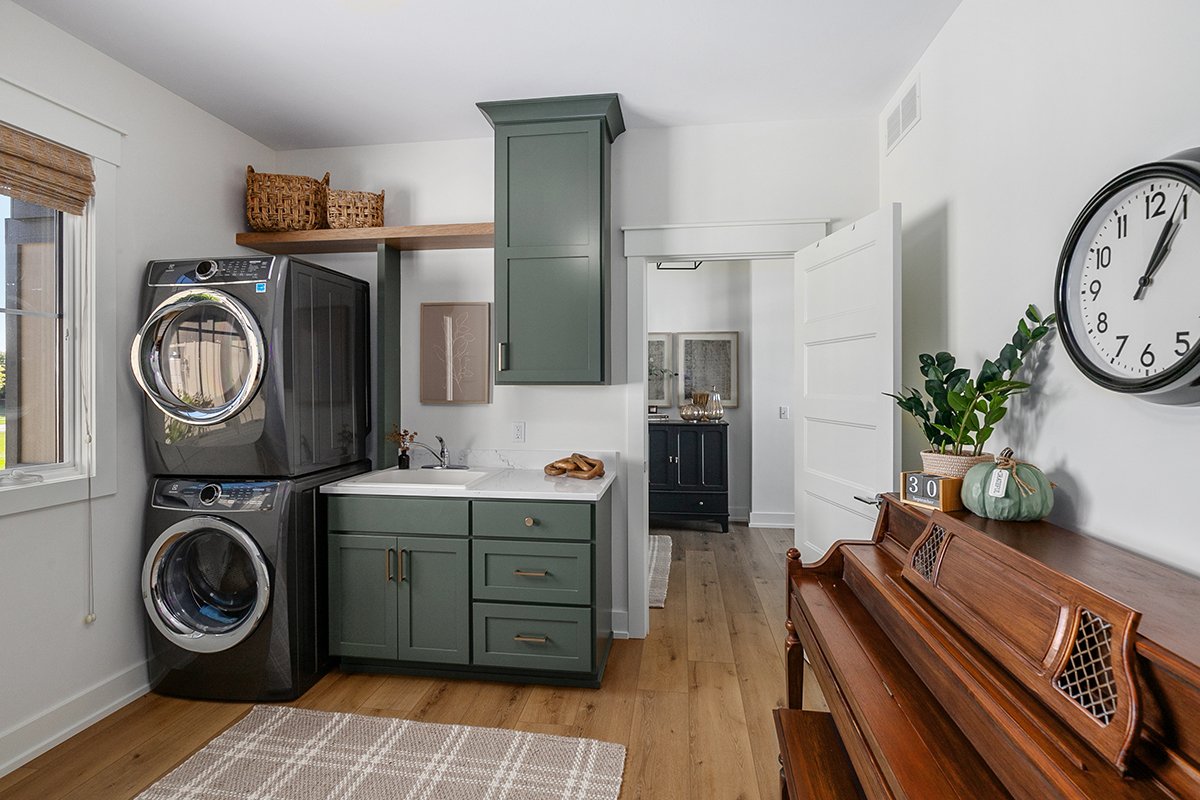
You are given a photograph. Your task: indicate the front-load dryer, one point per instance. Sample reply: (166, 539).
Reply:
(252, 366)
(233, 586)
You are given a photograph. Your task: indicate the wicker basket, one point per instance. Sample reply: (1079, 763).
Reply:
(951, 466)
(355, 209)
(285, 202)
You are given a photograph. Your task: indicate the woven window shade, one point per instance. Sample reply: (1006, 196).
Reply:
(37, 171)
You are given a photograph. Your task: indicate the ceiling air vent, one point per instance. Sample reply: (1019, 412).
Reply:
(902, 118)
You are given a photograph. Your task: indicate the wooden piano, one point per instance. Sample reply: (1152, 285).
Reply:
(969, 658)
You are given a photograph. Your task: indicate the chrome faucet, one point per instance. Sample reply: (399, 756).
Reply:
(442, 454)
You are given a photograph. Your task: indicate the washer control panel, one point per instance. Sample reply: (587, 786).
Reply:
(186, 272)
(223, 496)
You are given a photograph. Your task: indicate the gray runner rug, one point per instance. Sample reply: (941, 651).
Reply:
(660, 569)
(282, 753)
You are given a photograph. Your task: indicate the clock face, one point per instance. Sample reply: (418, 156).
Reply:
(1129, 283)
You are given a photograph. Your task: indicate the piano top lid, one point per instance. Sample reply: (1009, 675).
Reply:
(1168, 598)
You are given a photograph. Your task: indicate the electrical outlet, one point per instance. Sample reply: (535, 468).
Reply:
(518, 432)
(785, 412)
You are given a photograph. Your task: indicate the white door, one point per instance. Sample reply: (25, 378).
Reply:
(847, 355)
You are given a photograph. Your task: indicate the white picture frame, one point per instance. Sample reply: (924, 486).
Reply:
(660, 374)
(706, 359)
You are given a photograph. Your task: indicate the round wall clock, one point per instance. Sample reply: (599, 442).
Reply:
(1128, 283)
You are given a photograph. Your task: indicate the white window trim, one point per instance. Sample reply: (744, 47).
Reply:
(91, 468)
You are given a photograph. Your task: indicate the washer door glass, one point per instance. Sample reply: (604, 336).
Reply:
(199, 356)
(205, 584)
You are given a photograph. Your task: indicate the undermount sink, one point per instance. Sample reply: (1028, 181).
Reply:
(400, 478)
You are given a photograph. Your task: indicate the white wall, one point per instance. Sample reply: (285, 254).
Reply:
(179, 192)
(1027, 109)
(714, 297)
(772, 293)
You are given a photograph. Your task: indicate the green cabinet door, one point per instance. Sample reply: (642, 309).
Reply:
(362, 596)
(434, 600)
(552, 231)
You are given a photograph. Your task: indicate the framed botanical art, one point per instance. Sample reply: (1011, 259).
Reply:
(659, 356)
(705, 360)
(455, 352)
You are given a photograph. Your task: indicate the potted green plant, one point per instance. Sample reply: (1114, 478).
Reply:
(961, 412)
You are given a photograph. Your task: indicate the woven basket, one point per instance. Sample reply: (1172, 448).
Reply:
(285, 202)
(951, 466)
(355, 209)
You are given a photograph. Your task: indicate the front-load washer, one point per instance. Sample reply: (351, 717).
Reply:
(234, 586)
(253, 366)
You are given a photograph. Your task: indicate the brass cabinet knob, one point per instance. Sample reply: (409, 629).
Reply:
(529, 522)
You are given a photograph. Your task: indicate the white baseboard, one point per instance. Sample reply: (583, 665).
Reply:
(772, 519)
(29, 739)
(620, 624)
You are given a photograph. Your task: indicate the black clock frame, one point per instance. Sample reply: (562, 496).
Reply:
(1178, 385)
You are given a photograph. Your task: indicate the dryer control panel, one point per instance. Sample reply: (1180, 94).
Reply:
(223, 496)
(186, 272)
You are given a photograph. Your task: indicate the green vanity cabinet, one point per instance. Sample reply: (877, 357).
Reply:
(505, 589)
(552, 236)
(399, 597)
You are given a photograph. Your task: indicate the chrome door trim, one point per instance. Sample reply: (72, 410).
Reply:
(147, 349)
(156, 607)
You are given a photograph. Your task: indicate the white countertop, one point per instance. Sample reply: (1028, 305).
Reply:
(516, 484)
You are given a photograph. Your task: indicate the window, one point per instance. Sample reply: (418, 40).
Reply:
(34, 361)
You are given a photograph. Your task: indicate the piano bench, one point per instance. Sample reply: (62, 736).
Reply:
(815, 763)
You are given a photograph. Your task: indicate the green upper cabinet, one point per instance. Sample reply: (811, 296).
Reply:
(552, 236)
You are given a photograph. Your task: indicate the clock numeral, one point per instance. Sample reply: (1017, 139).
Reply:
(1181, 339)
(1147, 357)
(1102, 322)
(1094, 287)
(1103, 255)
(1124, 341)
(1185, 197)
(1122, 228)
(1156, 205)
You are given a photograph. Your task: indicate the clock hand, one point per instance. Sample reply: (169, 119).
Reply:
(1161, 248)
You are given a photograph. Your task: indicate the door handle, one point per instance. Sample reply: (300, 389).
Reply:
(878, 501)
(530, 522)
(501, 350)
(524, 573)
(401, 560)
(520, 637)
(388, 559)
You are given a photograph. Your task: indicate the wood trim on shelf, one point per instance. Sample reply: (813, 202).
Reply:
(461, 236)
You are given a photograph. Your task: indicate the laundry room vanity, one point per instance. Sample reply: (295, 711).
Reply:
(503, 574)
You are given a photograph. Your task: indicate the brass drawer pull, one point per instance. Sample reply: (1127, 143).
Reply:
(530, 522)
(401, 560)
(527, 573)
(520, 637)
(388, 560)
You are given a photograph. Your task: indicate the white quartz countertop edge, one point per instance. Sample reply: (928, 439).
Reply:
(500, 484)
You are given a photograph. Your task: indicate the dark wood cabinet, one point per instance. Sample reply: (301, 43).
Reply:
(552, 236)
(688, 471)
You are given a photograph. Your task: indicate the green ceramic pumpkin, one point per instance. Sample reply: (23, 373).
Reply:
(1015, 505)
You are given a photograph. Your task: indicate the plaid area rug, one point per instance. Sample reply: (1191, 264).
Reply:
(281, 753)
(660, 569)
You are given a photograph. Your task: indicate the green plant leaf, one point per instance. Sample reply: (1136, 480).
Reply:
(958, 402)
(945, 361)
(1033, 314)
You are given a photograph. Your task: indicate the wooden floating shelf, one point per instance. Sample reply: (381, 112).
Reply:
(462, 236)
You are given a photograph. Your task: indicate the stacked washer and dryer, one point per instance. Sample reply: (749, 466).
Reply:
(255, 384)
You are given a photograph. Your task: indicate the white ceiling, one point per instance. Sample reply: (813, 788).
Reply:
(324, 73)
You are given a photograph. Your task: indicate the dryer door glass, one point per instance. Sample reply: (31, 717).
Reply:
(199, 356)
(206, 584)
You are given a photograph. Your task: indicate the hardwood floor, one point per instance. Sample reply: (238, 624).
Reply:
(692, 702)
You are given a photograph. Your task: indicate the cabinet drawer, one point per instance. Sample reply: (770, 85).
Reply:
(532, 572)
(421, 515)
(533, 637)
(519, 519)
(689, 502)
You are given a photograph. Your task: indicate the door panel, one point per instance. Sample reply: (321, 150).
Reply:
(658, 464)
(688, 474)
(847, 354)
(435, 598)
(362, 596)
(713, 458)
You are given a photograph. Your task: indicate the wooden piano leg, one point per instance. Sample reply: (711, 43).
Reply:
(794, 667)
